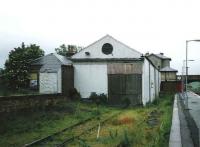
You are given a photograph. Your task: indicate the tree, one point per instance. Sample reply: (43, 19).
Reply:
(62, 50)
(68, 50)
(1, 71)
(17, 65)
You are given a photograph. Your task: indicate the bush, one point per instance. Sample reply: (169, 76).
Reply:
(99, 99)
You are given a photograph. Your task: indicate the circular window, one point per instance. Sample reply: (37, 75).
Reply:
(107, 48)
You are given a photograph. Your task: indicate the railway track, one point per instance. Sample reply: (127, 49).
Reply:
(61, 138)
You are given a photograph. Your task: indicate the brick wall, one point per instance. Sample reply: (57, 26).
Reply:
(170, 86)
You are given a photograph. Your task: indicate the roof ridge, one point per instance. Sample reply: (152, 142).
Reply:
(160, 56)
(58, 56)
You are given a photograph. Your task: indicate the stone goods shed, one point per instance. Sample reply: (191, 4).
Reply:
(163, 63)
(52, 73)
(108, 66)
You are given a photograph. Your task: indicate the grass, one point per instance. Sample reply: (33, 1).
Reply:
(194, 86)
(21, 128)
(140, 127)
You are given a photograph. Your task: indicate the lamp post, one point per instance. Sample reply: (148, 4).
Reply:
(186, 77)
(183, 73)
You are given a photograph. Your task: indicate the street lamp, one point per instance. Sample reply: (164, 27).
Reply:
(182, 79)
(186, 77)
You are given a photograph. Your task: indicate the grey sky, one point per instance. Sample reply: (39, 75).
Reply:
(145, 25)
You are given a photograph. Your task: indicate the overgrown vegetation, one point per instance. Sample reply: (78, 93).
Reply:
(141, 127)
(99, 98)
(18, 129)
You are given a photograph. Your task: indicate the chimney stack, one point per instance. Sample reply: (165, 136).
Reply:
(147, 54)
(161, 53)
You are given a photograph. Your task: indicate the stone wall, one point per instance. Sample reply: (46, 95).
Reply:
(30, 102)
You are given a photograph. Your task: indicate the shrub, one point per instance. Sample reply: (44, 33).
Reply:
(99, 99)
(155, 101)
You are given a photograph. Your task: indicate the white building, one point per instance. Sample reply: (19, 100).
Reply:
(111, 67)
(52, 73)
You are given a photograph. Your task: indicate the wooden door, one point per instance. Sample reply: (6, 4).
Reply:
(121, 86)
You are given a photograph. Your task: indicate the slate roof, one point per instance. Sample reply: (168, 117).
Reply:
(168, 69)
(51, 62)
(161, 56)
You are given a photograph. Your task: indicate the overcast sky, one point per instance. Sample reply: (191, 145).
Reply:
(146, 25)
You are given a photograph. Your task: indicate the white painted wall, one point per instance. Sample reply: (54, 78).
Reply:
(48, 83)
(120, 50)
(59, 77)
(90, 77)
(158, 80)
(145, 82)
(150, 82)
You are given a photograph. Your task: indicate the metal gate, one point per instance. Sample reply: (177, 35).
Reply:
(122, 86)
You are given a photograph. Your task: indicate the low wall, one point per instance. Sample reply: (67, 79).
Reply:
(17, 103)
(170, 86)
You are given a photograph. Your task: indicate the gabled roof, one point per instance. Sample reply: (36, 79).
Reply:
(45, 59)
(160, 56)
(168, 69)
(51, 62)
(120, 50)
(63, 59)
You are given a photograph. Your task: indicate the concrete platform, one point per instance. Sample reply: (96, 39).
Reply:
(175, 135)
(192, 115)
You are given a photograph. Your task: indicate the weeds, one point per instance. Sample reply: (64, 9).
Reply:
(113, 135)
(146, 127)
(20, 128)
(125, 142)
